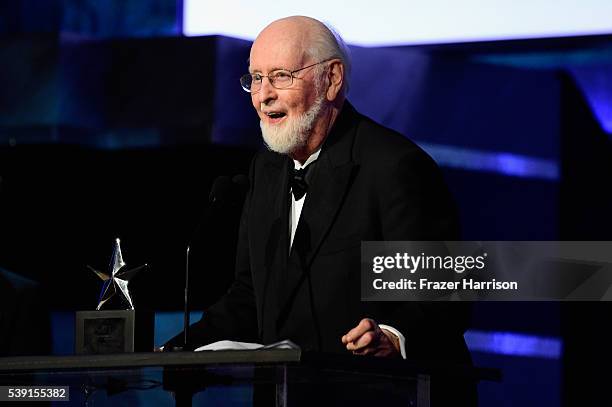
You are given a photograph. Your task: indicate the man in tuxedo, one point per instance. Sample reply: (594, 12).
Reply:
(330, 179)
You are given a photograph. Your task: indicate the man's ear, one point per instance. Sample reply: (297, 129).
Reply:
(335, 75)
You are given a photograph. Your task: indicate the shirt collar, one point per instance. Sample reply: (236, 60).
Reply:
(313, 157)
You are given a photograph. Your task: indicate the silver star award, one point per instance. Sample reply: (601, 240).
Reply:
(117, 278)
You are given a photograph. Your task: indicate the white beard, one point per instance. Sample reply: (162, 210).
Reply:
(294, 133)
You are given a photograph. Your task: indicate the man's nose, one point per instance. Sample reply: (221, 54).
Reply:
(267, 92)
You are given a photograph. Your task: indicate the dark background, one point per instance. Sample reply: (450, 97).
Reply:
(114, 125)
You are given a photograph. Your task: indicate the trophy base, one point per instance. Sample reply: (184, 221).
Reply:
(114, 331)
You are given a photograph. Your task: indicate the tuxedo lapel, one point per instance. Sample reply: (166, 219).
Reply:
(328, 187)
(323, 201)
(275, 213)
(277, 184)
(326, 192)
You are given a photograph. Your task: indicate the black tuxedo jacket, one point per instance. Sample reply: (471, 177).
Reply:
(369, 183)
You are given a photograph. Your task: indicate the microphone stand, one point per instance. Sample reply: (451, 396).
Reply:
(186, 316)
(223, 189)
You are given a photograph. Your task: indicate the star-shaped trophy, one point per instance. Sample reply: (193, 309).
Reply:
(117, 278)
(118, 330)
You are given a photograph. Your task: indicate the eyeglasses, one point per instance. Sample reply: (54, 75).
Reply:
(279, 78)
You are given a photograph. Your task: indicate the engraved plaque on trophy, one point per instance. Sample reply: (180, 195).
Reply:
(117, 330)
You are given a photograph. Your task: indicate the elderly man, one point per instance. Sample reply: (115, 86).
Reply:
(331, 179)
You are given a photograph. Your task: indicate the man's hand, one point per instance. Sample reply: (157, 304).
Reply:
(368, 338)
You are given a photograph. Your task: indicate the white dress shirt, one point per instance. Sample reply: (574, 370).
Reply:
(296, 206)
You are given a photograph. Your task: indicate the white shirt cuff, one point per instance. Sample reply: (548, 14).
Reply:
(402, 340)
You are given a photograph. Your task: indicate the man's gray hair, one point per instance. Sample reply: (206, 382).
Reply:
(326, 43)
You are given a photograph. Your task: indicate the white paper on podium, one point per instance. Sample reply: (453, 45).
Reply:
(234, 345)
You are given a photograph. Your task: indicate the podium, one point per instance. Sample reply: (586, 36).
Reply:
(270, 377)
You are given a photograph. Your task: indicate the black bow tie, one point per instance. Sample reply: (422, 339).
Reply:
(297, 182)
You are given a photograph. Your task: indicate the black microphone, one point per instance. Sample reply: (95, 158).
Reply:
(224, 191)
(220, 190)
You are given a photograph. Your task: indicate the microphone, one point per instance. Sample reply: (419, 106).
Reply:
(229, 192)
(220, 190)
(224, 192)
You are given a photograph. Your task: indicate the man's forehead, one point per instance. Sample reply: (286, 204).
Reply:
(280, 45)
(275, 57)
